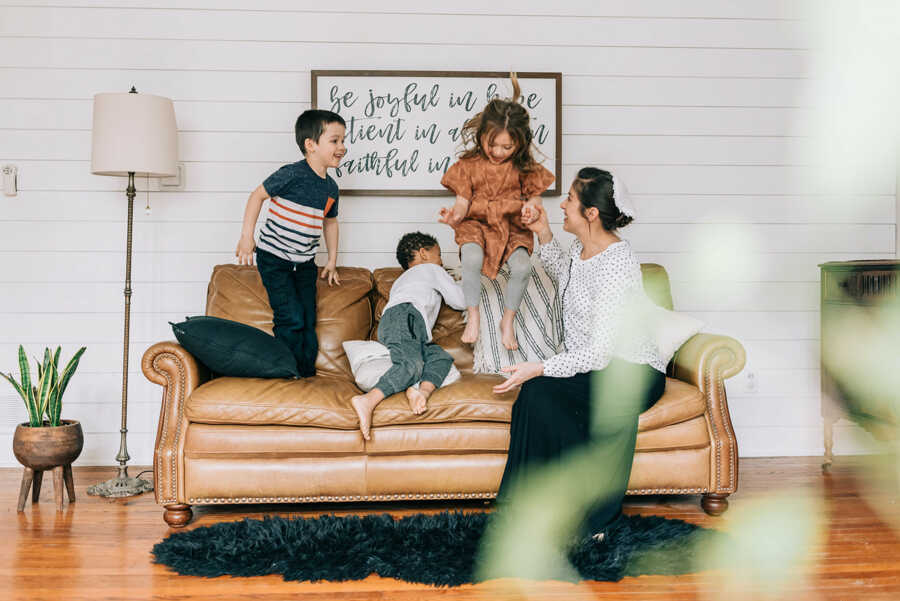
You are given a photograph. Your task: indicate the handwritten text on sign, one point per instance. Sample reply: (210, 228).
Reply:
(403, 132)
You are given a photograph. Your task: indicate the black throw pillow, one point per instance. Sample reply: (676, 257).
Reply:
(230, 348)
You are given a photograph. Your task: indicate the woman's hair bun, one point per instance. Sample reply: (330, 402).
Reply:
(622, 220)
(595, 189)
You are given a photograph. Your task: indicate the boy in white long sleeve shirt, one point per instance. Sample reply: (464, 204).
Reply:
(418, 364)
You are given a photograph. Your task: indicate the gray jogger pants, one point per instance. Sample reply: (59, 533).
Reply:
(414, 359)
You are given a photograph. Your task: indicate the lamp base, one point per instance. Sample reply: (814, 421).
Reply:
(120, 486)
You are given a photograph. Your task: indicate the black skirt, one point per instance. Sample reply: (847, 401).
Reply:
(595, 412)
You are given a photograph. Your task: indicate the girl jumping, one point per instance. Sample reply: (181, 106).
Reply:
(497, 182)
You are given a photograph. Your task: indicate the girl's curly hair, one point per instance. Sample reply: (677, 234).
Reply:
(499, 115)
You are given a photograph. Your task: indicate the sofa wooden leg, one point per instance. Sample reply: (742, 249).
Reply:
(178, 515)
(714, 504)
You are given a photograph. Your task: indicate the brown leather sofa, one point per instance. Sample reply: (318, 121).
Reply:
(246, 440)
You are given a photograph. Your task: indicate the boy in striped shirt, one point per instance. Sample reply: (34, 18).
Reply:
(303, 206)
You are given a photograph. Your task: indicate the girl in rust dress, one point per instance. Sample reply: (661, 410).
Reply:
(497, 184)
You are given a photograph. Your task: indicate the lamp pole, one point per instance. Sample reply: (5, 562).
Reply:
(122, 457)
(122, 485)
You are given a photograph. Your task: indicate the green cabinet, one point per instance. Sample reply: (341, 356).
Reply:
(853, 289)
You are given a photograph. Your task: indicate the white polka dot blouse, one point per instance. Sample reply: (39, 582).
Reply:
(597, 294)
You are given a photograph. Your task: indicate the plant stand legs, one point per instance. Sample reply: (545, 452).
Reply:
(27, 477)
(70, 482)
(58, 487)
(178, 515)
(32, 479)
(36, 486)
(714, 504)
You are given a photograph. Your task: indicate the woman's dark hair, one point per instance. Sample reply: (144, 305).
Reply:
(594, 188)
(410, 244)
(501, 115)
(311, 125)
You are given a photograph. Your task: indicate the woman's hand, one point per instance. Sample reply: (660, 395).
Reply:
(244, 251)
(330, 273)
(531, 210)
(521, 373)
(538, 223)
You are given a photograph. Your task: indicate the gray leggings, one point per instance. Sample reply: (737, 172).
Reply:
(472, 258)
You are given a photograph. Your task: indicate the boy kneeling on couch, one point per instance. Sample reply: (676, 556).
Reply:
(418, 365)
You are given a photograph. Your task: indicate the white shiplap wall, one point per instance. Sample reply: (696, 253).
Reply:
(699, 105)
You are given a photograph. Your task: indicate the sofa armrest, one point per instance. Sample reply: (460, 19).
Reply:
(705, 358)
(706, 361)
(179, 373)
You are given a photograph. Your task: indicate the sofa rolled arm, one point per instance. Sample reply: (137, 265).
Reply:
(705, 358)
(179, 373)
(706, 361)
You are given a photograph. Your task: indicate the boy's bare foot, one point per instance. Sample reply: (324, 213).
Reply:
(416, 400)
(508, 331)
(473, 321)
(364, 405)
(418, 397)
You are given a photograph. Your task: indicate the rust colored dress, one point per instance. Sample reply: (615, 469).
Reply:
(496, 194)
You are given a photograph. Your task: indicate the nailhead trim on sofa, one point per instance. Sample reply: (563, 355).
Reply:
(342, 498)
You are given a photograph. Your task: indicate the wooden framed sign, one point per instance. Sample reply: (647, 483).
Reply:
(403, 127)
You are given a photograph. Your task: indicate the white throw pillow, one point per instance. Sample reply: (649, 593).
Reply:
(671, 329)
(369, 360)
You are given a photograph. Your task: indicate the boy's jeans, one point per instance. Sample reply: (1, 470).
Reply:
(413, 358)
(292, 294)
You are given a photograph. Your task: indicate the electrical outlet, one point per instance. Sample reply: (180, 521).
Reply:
(751, 383)
(10, 180)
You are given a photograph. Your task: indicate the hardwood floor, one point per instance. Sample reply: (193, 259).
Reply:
(99, 549)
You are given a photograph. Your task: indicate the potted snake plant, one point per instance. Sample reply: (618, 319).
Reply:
(45, 441)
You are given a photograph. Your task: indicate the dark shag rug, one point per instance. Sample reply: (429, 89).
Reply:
(438, 549)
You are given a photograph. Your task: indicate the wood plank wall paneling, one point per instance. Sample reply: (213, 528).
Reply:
(701, 106)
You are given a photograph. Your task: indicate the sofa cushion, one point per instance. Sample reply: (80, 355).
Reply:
(470, 399)
(344, 312)
(439, 438)
(325, 402)
(317, 401)
(692, 434)
(232, 440)
(680, 402)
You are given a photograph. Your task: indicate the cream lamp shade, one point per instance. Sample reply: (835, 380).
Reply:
(133, 133)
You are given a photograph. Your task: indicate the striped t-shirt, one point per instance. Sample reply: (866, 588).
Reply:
(299, 202)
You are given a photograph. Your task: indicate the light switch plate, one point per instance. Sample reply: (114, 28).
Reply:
(176, 182)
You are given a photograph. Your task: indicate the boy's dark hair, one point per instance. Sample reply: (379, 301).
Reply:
(410, 244)
(594, 188)
(311, 124)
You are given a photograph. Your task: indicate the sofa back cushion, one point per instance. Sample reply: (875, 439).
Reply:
(447, 329)
(344, 312)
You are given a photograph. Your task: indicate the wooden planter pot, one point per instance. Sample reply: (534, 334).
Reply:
(43, 449)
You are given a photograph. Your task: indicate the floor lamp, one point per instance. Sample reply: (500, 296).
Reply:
(133, 134)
